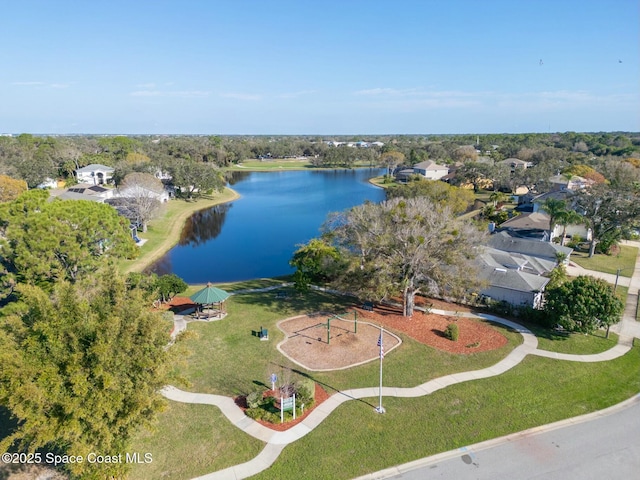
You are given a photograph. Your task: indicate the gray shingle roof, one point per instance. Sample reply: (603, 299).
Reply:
(535, 248)
(512, 279)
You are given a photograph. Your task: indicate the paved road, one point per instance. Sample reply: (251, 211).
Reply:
(607, 447)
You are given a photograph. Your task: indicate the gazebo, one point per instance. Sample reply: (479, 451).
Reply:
(211, 297)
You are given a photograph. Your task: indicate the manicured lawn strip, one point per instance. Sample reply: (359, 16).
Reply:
(164, 232)
(625, 260)
(354, 440)
(573, 343)
(191, 440)
(227, 359)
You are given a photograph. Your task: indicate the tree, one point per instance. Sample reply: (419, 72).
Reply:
(608, 212)
(556, 209)
(566, 218)
(441, 193)
(583, 305)
(391, 159)
(317, 261)
(62, 239)
(141, 192)
(403, 247)
(167, 286)
(10, 188)
(477, 174)
(81, 369)
(196, 178)
(466, 153)
(498, 197)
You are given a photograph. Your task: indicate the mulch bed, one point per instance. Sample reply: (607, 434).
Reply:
(178, 304)
(320, 395)
(474, 335)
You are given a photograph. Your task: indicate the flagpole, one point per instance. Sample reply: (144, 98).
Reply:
(380, 408)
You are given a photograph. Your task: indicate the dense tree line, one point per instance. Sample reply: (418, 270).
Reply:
(34, 158)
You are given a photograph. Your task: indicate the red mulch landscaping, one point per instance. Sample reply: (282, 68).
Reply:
(320, 395)
(178, 304)
(474, 335)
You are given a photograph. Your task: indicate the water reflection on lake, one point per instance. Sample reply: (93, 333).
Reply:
(255, 236)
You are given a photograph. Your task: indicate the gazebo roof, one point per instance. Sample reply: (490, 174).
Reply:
(209, 295)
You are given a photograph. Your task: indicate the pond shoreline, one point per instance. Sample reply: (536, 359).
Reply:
(172, 236)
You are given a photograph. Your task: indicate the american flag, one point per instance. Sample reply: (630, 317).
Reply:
(381, 346)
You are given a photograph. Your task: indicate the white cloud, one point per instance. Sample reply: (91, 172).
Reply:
(241, 96)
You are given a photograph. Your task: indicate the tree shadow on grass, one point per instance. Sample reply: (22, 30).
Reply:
(324, 385)
(295, 302)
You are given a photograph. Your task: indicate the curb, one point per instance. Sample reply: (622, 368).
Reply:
(478, 447)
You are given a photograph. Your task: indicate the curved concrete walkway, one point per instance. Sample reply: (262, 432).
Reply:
(276, 441)
(627, 329)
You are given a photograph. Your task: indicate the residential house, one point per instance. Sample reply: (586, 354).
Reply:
(571, 183)
(515, 163)
(526, 246)
(430, 170)
(528, 225)
(85, 191)
(512, 285)
(139, 191)
(95, 174)
(427, 169)
(515, 268)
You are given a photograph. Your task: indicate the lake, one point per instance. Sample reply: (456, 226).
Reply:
(256, 235)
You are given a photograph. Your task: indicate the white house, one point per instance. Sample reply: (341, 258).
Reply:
(430, 170)
(572, 183)
(95, 174)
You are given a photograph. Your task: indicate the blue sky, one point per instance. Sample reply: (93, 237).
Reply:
(319, 67)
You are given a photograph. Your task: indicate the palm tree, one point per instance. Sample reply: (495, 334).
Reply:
(568, 217)
(497, 197)
(555, 209)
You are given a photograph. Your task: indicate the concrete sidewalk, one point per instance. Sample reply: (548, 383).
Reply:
(627, 329)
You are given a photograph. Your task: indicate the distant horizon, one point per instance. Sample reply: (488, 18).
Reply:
(214, 134)
(192, 67)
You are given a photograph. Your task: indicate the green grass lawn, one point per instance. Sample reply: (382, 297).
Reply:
(242, 362)
(164, 232)
(227, 359)
(354, 440)
(625, 260)
(573, 343)
(191, 440)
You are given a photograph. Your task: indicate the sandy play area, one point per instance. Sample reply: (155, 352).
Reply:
(307, 345)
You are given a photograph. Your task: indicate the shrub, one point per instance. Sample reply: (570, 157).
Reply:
(452, 332)
(254, 399)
